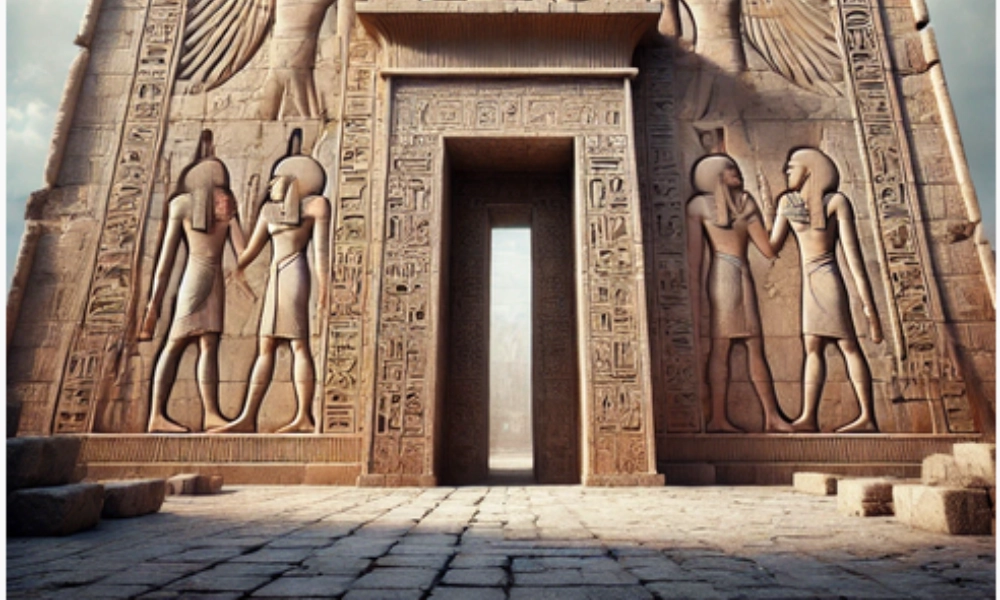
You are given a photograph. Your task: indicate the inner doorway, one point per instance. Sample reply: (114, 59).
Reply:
(495, 187)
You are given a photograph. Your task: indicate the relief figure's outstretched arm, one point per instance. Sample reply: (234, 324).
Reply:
(253, 248)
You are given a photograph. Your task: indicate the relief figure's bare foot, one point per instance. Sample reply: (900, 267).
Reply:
(862, 424)
(241, 425)
(215, 421)
(164, 424)
(805, 425)
(778, 425)
(299, 425)
(722, 426)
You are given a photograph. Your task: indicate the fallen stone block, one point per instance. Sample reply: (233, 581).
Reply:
(191, 484)
(978, 462)
(208, 484)
(34, 462)
(866, 497)
(123, 499)
(59, 510)
(956, 511)
(182, 485)
(816, 484)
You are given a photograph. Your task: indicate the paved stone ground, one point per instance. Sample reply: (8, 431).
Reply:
(502, 542)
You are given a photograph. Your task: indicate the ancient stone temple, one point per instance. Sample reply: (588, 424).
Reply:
(263, 246)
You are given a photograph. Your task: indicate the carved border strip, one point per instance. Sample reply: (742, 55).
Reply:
(675, 381)
(344, 370)
(907, 273)
(252, 448)
(99, 343)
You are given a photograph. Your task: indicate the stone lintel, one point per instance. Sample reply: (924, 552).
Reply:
(508, 34)
(596, 72)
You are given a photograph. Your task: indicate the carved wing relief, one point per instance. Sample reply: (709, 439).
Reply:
(220, 38)
(797, 40)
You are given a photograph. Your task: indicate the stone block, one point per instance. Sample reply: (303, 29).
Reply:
(940, 469)
(208, 484)
(956, 511)
(59, 510)
(41, 461)
(191, 484)
(124, 499)
(182, 485)
(817, 484)
(868, 497)
(977, 462)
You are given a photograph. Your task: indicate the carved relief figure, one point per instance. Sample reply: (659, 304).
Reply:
(202, 214)
(296, 214)
(221, 36)
(726, 216)
(820, 217)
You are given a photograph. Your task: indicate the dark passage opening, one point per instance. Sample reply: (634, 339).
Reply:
(511, 406)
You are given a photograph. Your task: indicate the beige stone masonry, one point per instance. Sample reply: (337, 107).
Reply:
(951, 510)
(869, 497)
(817, 484)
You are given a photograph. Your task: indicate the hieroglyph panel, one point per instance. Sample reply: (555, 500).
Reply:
(99, 346)
(675, 369)
(925, 364)
(616, 370)
(343, 395)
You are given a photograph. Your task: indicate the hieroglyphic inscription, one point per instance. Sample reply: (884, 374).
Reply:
(422, 114)
(907, 273)
(613, 337)
(675, 380)
(352, 239)
(99, 343)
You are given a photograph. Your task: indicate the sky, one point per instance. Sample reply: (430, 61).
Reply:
(40, 48)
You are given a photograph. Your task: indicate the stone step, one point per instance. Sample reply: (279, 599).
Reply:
(41, 461)
(58, 510)
(978, 462)
(955, 511)
(123, 499)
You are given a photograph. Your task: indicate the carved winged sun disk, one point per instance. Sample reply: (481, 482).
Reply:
(220, 38)
(797, 40)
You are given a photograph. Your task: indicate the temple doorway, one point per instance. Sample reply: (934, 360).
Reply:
(511, 408)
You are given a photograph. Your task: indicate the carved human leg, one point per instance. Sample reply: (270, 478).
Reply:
(260, 380)
(760, 377)
(861, 380)
(718, 382)
(163, 381)
(813, 378)
(304, 376)
(208, 379)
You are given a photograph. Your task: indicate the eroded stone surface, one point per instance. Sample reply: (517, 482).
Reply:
(41, 461)
(57, 510)
(133, 498)
(950, 510)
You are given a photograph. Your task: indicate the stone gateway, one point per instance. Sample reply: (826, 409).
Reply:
(262, 250)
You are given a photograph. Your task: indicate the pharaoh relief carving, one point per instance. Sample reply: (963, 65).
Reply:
(822, 218)
(295, 215)
(222, 36)
(725, 216)
(201, 214)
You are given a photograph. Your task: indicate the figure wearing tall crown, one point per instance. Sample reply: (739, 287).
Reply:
(296, 214)
(201, 214)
